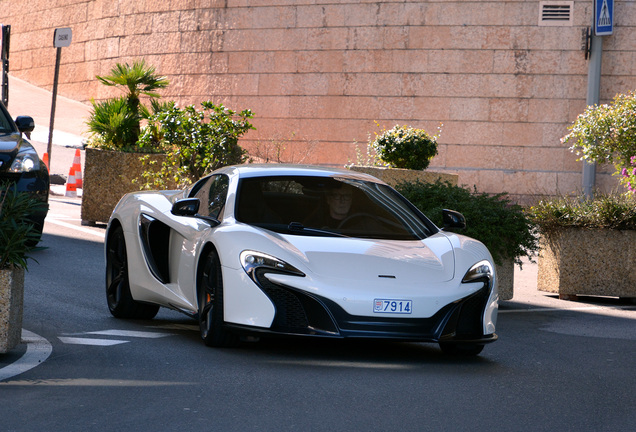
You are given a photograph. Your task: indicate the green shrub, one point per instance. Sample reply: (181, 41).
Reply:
(195, 142)
(494, 220)
(607, 134)
(405, 147)
(609, 211)
(112, 124)
(17, 235)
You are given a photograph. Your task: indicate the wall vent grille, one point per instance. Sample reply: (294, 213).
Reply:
(553, 13)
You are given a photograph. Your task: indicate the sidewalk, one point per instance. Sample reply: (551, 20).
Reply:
(70, 130)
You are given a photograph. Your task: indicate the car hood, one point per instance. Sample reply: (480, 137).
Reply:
(9, 142)
(431, 259)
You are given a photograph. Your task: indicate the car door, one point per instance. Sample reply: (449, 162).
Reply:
(185, 242)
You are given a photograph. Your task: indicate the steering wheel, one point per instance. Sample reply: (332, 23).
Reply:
(354, 216)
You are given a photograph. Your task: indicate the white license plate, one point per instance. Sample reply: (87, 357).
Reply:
(392, 306)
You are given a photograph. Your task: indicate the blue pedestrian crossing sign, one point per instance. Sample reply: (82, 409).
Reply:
(603, 17)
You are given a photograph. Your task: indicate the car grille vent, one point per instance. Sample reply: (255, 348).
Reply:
(296, 312)
(554, 13)
(466, 320)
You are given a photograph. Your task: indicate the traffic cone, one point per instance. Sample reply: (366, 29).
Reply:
(71, 187)
(45, 159)
(77, 166)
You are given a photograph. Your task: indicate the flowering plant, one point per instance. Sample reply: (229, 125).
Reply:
(607, 134)
(629, 175)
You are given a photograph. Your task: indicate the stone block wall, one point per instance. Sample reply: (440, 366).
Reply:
(322, 75)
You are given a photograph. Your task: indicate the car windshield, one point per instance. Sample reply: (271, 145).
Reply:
(329, 206)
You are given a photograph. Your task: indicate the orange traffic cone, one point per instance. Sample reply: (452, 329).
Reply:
(71, 187)
(45, 159)
(77, 166)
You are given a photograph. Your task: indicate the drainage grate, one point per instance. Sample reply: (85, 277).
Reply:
(554, 13)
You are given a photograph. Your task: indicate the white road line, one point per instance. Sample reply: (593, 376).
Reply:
(129, 333)
(38, 350)
(90, 341)
(100, 234)
(556, 309)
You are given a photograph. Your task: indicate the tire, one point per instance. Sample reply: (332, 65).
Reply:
(120, 301)
(210, 296)
(466, 350)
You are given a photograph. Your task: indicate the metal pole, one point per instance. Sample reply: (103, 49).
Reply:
(58, 57)
(593, 96)
(6, 37)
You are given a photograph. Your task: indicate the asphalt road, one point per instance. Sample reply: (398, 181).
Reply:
(557, 366)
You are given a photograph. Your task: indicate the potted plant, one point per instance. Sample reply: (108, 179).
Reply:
(113, 156)
(587, 245)
(17, 239)
(402, 154)
(494, 220)
(584, 240)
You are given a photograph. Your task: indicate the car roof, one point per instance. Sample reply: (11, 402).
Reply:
(259, 170)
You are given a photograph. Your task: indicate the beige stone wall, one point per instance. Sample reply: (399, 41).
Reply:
(319, 74)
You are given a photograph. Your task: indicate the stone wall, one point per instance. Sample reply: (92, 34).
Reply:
(319, 74)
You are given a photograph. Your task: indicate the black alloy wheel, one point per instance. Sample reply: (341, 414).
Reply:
(210, 296)
(120, 301)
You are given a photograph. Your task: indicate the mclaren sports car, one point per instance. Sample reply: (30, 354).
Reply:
(264, 250)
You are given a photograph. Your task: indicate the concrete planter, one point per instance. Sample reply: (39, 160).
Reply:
(588, 262)
(109, 175)
(506, 277)
(393, 176)
(11, 301)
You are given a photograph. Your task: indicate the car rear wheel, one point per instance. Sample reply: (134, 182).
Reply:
(459, 349)
(210, 296)
(120, 301)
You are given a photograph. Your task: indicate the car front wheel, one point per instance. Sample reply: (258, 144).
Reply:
(210, 296)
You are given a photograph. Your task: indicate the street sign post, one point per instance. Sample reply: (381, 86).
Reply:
(603, 17)
(61, 38)
(5, 35)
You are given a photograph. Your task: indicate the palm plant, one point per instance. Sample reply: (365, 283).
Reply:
(136, 80)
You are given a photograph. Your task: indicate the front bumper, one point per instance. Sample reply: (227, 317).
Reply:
(299, 313)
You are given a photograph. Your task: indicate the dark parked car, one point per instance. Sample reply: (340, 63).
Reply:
(20, 165)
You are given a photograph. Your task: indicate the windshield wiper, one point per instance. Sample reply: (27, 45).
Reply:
(298, 227)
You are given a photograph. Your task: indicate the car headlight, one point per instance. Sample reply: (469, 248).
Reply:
(26, 160)
(252, 261)
(481, 271)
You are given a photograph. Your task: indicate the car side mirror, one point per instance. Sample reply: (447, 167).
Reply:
(190, 207)
(25, 124)
(453, 219)
(186, 207)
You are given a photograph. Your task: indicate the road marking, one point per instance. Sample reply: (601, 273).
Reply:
(100, 234)
(90, 341)
(130, 333)
(549, 309)
(89, 382)
(79, 339)
(38, 350)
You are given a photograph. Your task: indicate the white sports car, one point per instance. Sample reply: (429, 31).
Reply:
(292, 250)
